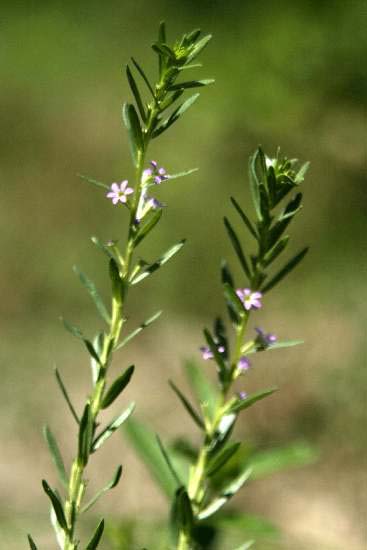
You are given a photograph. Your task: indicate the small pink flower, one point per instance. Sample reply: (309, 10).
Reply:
(249, 299)
(119, 192)
(243, 364)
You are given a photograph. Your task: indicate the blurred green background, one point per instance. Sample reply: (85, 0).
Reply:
(287, 73)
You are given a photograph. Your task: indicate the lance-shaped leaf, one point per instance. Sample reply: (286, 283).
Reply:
(191, 84)
(65, 394)
(221, 458)
(131, 121)
(146, 227)
(158, 263)
(179, 111)
(168, 461)
(276, 345)
(75, 331)
(182, 516)
(110, 485)
(186, 403)
(222, 432)
(227, 278)
(246, 545)
(164, 50)
(55, 455)
(280, 226)
(136, 93)
(85, 435)
(94, 542)
(117, 387)
(233, 300)
(237, 247)
(97, 183)
(274, 252)
(198, 48)
(94, 294)
(255, 185)
(226, 493)
(145, 443)
(118, 284)
(269, 461)
(205, 392)
(244, 218)
(56, 505)
(222, 367)
(241, 404)
(289, 266)
(249, 525)
(301, 173)
(32, 544)
(143, 75)
(182, 174)
(112, 427)
(138, 330)
(105, 249)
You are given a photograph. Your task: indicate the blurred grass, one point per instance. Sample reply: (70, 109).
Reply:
(288, 74)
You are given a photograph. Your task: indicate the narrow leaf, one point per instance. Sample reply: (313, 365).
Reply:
(226, 493)
(199, 47)
(85, 435)
(222, 458)
(244, 218)
(32, 544)
(143, 75)
(242, 404)
(105, 249)
(233, 300)
(168, 461)
(285, 270)
(55, 455)
(158, 263)
(65, 394)
(117, 387)
(139, 329)
(136, 93)
(145, 444)
(295, 455)
(205, 392)
(222, 368)
(274, 252)
(182, 174)
(182, 517)
(132, 124)
(179, 111)
(112, 427)
(73, 329)
(93, 543)
(255, 185)
(237, 247)
(93, 181)
(93, 292)
(56, 505)
(190, 409)
(191, 84)
(146, 227)
(110, 485)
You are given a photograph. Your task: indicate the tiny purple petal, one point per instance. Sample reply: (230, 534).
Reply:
(154, 164)
(147, 173)
(115, 187)
(129, 190)
(206, 353)
(243, 363)
(242, 395)
(161, 172)
(221, 349)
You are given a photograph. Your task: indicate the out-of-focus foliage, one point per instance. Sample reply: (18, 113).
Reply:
(287, 73)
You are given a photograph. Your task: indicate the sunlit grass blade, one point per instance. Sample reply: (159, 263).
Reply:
(93, 181)
(94, 294)
(158, 263)
(112, 427)
(138, 330)
(186, 403)
(66, 395)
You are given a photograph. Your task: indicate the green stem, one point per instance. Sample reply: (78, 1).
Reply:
(77, 484)
(197, 478)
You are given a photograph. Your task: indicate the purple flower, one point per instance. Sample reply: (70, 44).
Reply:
(242, 395)
(119, 192)
(243, 364)
(206, 352)
(264, 340)
(249, 298)
(155, 174)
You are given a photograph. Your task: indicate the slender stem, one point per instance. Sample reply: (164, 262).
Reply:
(197, 479)
(77, 484)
